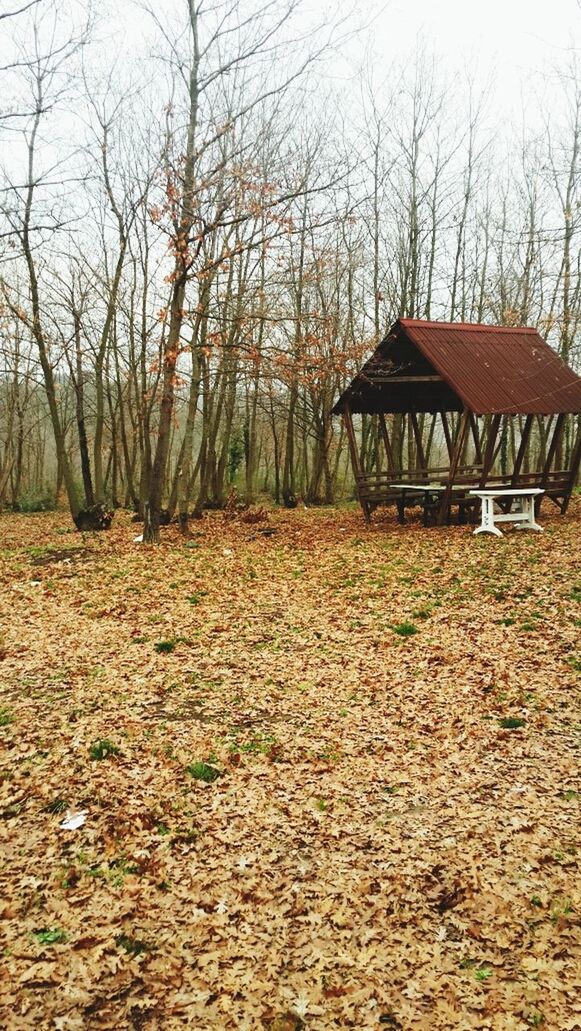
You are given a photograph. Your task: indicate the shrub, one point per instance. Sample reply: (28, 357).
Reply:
(28, 503)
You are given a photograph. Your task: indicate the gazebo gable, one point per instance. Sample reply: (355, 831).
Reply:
(399, 378)
(440, 366)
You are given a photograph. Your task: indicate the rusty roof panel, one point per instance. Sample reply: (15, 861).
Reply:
(491, 369)
(498, 368)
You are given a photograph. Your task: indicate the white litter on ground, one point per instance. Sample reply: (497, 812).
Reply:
(73, 821)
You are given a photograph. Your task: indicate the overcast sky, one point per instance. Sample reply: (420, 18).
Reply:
(513, 40)
(514, 46)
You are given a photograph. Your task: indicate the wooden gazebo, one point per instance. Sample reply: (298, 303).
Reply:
(470, 380)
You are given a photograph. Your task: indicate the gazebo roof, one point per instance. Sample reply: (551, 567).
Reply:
(446, 366)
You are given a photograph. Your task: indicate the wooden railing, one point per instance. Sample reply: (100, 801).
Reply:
(376, 488)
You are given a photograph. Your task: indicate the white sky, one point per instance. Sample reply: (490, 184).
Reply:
(513, 40)
(517, 45)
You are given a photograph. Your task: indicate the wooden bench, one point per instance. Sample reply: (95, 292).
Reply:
(556, 485)
(389, 487)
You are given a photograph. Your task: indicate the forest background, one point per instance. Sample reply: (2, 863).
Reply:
(211, 212)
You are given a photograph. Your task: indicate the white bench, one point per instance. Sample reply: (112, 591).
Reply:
(523, 517)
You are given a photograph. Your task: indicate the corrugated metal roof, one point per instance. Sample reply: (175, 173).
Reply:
(498, 368)
(492, 369)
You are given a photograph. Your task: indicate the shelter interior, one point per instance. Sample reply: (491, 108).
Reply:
(446, 408)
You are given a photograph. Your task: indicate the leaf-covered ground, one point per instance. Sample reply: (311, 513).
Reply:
(390, 841)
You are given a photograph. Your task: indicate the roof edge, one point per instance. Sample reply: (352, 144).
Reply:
(476, 327)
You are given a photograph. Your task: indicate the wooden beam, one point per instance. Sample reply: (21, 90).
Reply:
(575, 463)
(402, 379)
(522, 449)
(419, 441)
(555, 440)
(502, 432)
(454, 463)
(355, 464)
(490, 444)
(447, 434)
(386, 441)
(476, 438)
(348, 421)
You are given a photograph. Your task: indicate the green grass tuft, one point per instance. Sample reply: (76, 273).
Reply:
(483, 973)
(58, 805)
(405, 629)
(134, 946)
(103, 748)
(50, 936)
(203, 771)
(6, 717)
(511, 723)
(164, 647)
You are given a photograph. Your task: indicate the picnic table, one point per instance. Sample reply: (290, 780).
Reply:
(429, 490)
(523, 516)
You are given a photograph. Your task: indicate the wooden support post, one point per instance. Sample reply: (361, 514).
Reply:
(386, 442)
(575, 463)
(454, 463)
(355, 464)
(490, 445)
(502, 432)
(419, 442)
(522, 450)
(476, 438)
(447, 434)
(555, 441)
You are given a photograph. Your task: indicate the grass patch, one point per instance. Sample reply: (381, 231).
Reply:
(569, 796)
(511, 723)
(203, 771)
(483, 973)
(6, 717)
(405, 629)
(103, 748)
(133, 946)
(58, 805)
(165, 647)
(261, 744)
(50, 936)
(169, 644)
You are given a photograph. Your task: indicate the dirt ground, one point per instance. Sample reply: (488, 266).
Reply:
(319, 777)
